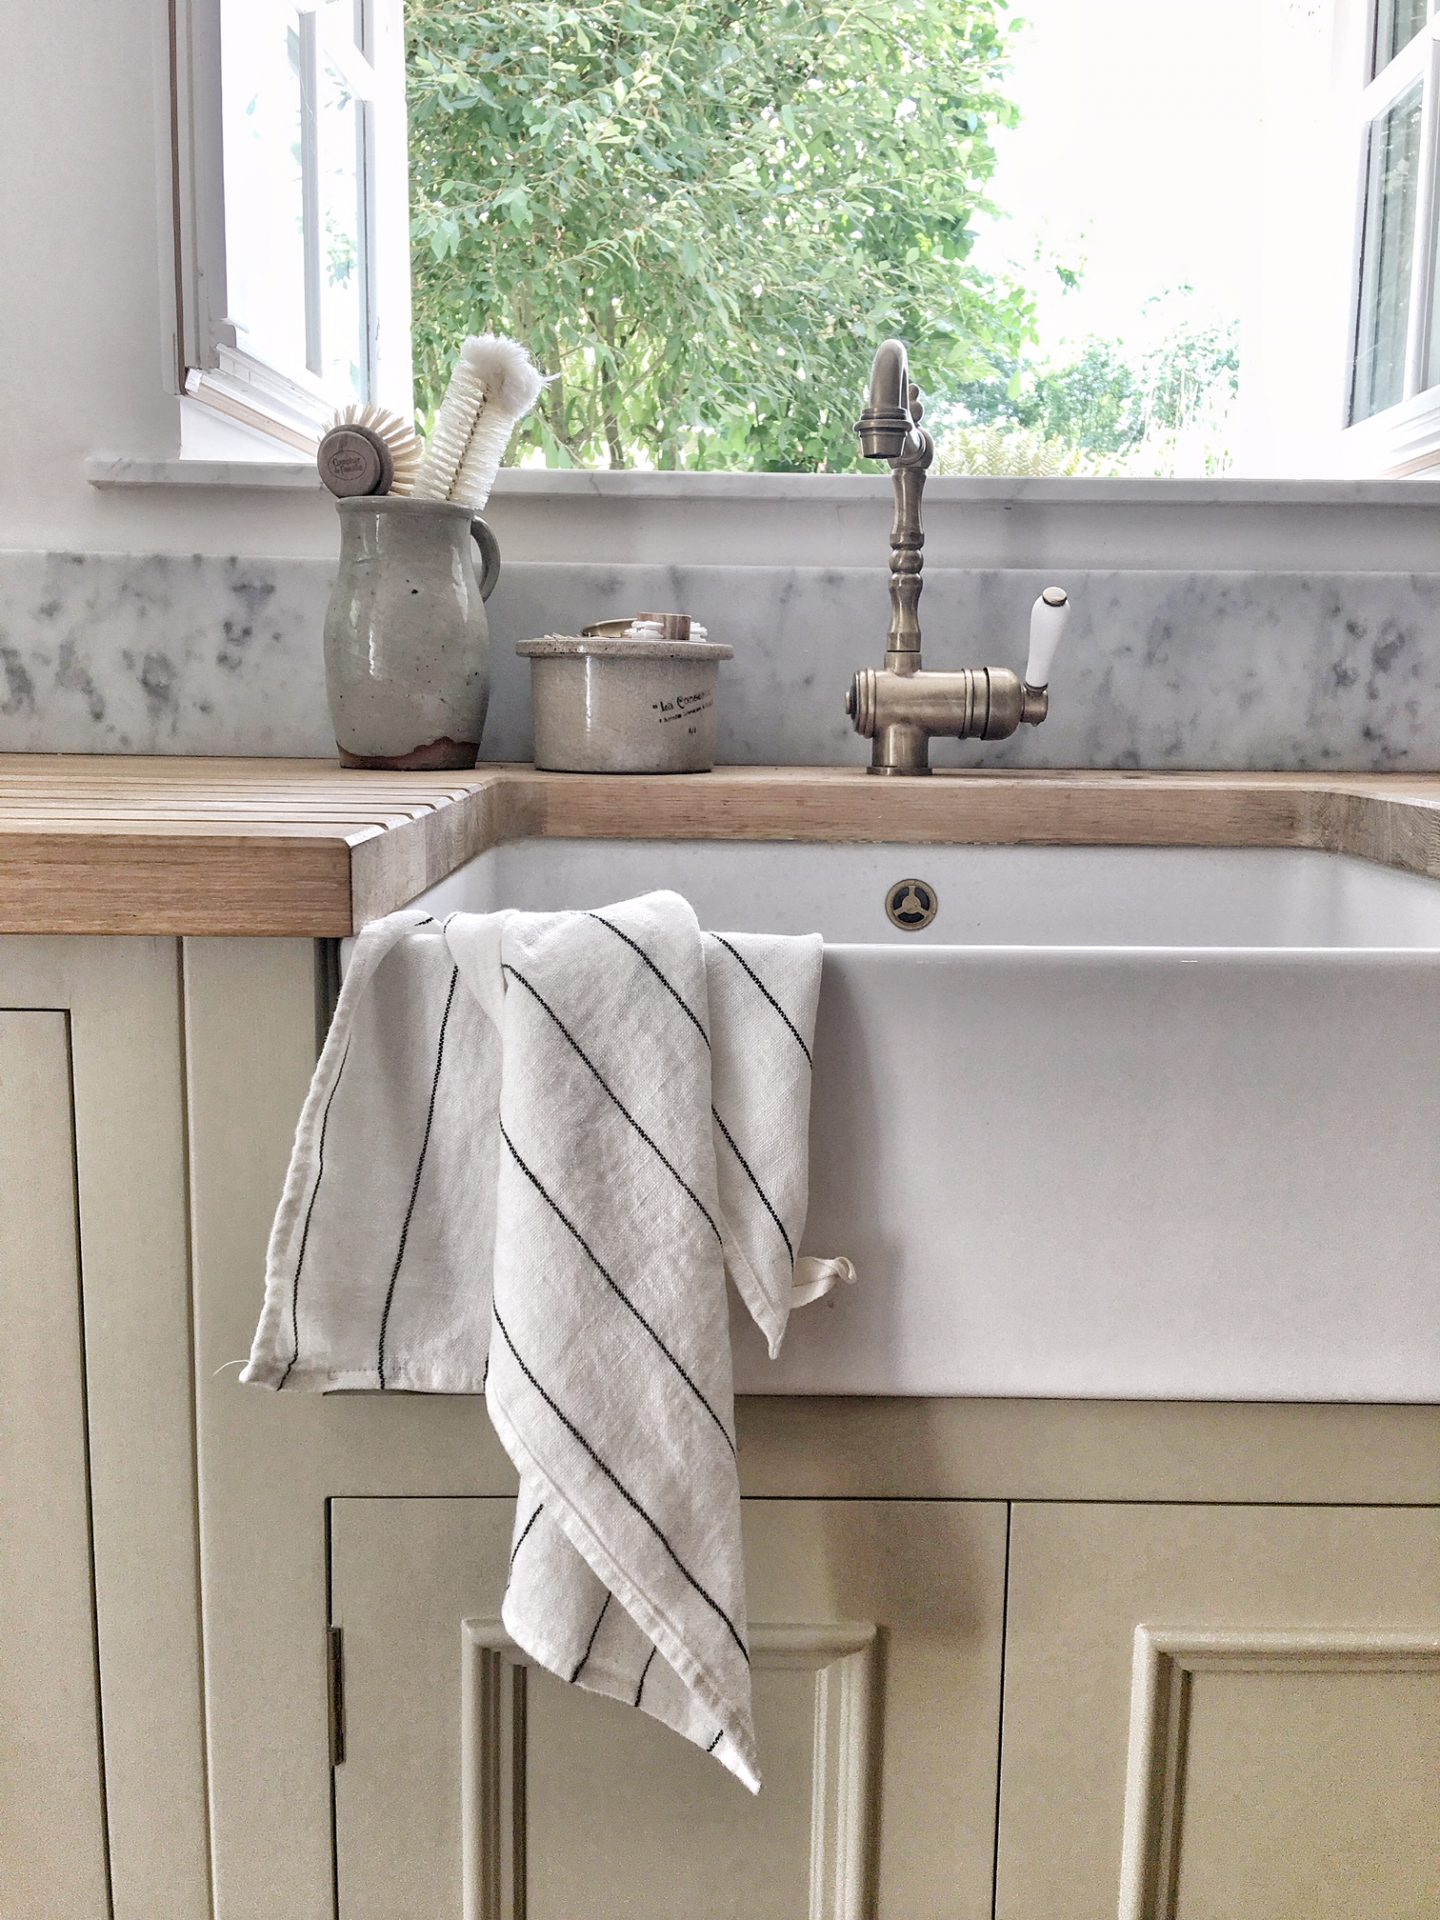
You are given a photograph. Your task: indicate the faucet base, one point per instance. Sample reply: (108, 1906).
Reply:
(900, 747)
(902, 712)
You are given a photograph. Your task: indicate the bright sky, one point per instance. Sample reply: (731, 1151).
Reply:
(1138, 143)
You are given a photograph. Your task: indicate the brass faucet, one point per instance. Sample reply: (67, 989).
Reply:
(900, 706)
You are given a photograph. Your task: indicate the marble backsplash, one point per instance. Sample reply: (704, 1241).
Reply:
(113, 653)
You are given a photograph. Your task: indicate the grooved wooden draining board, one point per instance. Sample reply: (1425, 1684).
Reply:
(304, 847)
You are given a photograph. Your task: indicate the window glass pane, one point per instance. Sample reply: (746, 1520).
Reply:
(702, 218)
(1432, 351)
(339, 132)
(1386, 256)
(264, 192)
(344, 18)
(1396, 24)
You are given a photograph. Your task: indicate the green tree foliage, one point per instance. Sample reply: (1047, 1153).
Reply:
(703, 215)
(995, 450)
(1107, 400)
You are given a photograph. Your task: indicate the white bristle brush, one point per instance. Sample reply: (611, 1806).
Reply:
(493, 387)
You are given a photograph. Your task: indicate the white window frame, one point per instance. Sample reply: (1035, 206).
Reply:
(290, 408)
(1403, 438)
(291, 405)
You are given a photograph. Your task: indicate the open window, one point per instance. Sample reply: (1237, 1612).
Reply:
(1394, 402)
(294, 223)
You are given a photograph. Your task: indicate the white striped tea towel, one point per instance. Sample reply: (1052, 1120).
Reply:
(534, 1146)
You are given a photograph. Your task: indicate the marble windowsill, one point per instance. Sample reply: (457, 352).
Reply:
(119, 470)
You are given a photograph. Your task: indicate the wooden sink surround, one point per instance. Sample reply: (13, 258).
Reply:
(308, 849)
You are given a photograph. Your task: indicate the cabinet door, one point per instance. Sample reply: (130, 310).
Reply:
(53, 1854)
(471, 1786)
(1221, 1713)
(112, 1007)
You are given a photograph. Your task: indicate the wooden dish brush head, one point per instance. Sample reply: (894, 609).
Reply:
(367, 450)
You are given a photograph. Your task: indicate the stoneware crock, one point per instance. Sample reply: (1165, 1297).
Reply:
(407, 643)
(623, 706)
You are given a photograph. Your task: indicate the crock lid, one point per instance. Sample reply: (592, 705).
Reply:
(572, 646)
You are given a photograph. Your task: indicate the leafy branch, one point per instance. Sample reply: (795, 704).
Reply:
(704, 216)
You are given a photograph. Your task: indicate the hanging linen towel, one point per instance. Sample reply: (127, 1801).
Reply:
(534, 1146)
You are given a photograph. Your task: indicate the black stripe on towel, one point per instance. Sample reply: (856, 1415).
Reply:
(623, 1491)
(644, 1674)
(305, 1230)
(764, 1198)
(580, 1664)
(674, 993)
(600, 1081)
(415, 1183)
(720, 1735)
(524, 1535)
(766, 991)
(613, 1284)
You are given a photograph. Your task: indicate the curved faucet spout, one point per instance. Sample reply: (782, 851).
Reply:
(888, 429)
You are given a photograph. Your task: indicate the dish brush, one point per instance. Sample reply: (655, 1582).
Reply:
(366, 450)
(493, 387)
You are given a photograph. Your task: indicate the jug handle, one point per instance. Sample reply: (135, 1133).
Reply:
(489, 555)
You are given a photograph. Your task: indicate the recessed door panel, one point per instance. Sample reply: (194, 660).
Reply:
(1222, 1713)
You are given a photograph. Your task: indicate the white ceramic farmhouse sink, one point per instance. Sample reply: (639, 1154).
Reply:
(1134, 1123)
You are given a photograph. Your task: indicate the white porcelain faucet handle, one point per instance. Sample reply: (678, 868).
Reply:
(1047, 627)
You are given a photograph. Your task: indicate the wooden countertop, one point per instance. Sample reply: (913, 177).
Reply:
(306, 848)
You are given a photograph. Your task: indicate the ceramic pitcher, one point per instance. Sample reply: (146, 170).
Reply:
(407, 643)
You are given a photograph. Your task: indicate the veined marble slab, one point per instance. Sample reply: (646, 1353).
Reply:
(113, 653)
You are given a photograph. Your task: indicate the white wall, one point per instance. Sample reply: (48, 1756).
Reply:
(87, 352)
(86, 302)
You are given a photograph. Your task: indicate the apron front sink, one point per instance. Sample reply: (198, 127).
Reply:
(1125, 1123)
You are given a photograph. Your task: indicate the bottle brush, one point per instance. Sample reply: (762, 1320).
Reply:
(493, 387)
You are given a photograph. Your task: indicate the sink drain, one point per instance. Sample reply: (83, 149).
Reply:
(911, 905)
